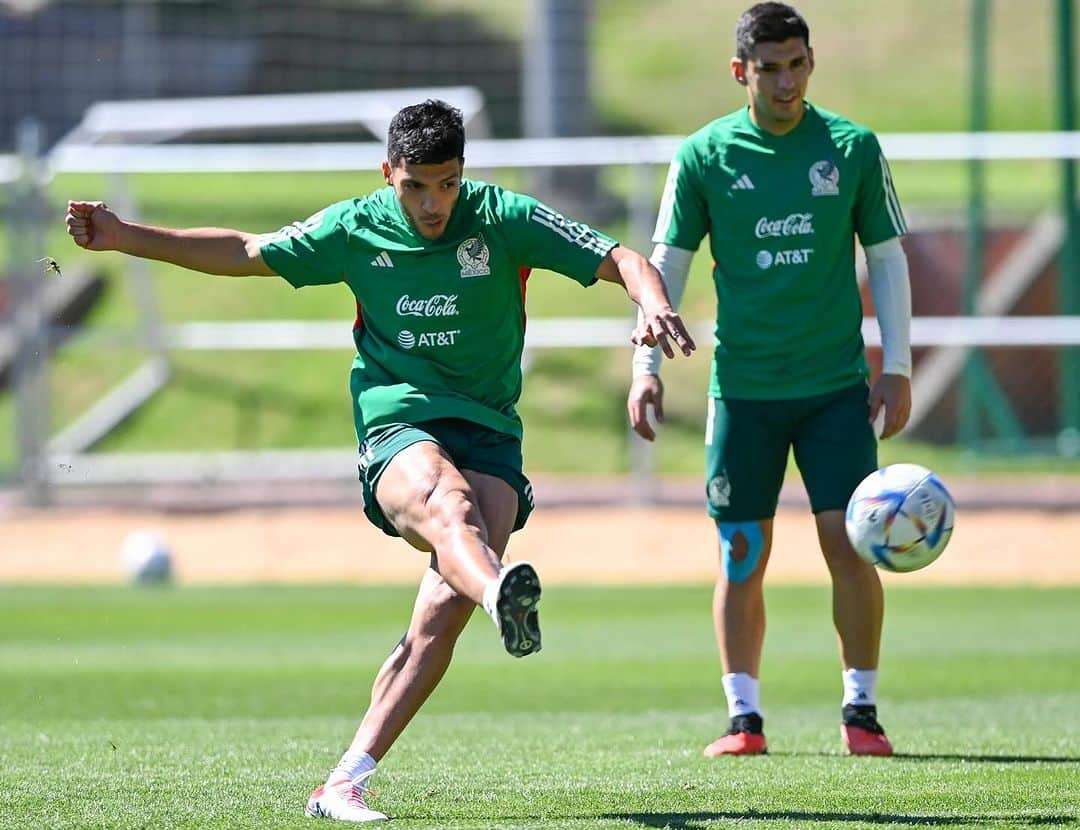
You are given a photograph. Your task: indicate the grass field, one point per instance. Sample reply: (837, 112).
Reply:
(897, 65)
(222, 708)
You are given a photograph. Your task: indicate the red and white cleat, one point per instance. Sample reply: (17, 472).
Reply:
(343, 800)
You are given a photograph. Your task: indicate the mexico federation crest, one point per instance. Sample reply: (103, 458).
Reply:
(472, 255)
(719, 491)
(824, 179)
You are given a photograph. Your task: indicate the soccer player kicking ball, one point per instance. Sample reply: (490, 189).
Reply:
(438, 265)
(781, 188)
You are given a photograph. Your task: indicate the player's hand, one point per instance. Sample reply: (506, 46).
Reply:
(893, 393)
(93, 225)
(645, 391)
(661, 326)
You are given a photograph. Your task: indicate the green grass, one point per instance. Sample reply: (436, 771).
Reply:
(901, 65)
(223, 707)
(662, 65)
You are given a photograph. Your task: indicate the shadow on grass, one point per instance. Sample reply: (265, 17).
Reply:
(696, 821)
(989, 759)
(970, 758)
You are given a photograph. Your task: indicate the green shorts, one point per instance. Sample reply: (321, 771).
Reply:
(747, 444)
(471, 446)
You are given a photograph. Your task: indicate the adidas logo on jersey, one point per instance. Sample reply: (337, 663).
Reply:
(743, 183)
(382, 261)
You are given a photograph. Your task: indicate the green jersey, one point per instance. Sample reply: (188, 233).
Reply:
(781, 213)
(440, 324)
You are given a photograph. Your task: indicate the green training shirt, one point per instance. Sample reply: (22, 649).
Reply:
(440, 325)
(781, 213)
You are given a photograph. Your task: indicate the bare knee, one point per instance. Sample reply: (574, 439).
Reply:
(847, 566)
(844, 564)
(433, 504)
(439, 619)
(451, 507)
(840, 557)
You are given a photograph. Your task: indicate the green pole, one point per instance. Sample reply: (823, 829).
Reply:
(1069, 279)
(969, 403)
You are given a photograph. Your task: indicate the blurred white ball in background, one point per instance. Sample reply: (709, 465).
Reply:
(147, 559)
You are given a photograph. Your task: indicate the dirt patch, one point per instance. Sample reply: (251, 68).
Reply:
(610, 545)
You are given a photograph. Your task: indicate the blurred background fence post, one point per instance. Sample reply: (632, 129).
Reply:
(30, 367)
(976, 263)
(1069, 291)
(141, 71)
(556, 95)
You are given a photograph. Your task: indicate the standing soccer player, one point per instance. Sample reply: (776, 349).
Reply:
(438, 266)
(781, 188)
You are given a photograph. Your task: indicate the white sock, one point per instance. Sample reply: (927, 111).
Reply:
(860, 686)
(491, 593)
(353, 764)
(742, 693)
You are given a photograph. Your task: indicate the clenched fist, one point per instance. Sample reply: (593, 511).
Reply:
(93, 225)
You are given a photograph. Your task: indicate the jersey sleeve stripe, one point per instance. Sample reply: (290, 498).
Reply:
(587, 239)
(892, 202)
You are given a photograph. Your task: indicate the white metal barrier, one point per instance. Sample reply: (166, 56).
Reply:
(587, 332)
(488, 154)
(73, 156)
(642, 154)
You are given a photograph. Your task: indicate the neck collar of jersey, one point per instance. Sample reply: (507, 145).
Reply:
(773, 138)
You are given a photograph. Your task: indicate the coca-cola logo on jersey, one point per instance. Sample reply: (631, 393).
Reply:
(797, 224)
(439, 305)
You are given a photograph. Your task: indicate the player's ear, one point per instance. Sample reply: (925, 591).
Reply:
(386, 172)
(810, 52)
(738, 71)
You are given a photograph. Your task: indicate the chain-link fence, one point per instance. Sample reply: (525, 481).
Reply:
(60, 57)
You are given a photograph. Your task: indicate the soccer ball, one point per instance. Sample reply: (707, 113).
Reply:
(900, 517)
(147, 558)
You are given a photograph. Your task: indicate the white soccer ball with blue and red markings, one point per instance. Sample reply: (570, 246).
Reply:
(900, 517)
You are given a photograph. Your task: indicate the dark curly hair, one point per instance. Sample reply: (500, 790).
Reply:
(427, 133)
(768, 23)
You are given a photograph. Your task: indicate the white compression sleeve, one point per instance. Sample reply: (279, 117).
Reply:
(674, 267)
(887, 267)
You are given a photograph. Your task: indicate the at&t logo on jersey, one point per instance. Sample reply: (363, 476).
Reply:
(796, 224)
(794, 256)
(439, 305)
(408, 340)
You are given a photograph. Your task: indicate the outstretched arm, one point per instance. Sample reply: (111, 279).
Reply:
(658, 321)
(94, 226)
